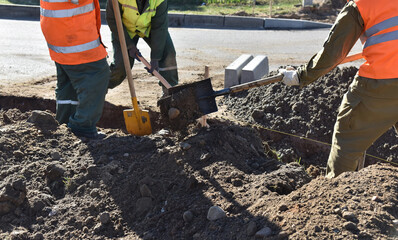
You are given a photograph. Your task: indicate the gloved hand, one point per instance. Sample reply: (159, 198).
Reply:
(134, 52)
(154, 66)
(290, 77)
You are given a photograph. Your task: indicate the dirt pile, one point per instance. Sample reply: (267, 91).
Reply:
(169, 184)
(321, 10)
(309, 112)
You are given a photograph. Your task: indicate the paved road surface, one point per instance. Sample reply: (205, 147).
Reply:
(24, 54)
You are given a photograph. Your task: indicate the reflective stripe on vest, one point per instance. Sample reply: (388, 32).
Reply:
(55, 1)
(381, 38)
(386, 24)
(131, 7)
(67, 12)
(77, 48)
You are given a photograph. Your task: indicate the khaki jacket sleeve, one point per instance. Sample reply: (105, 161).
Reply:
(342, 37)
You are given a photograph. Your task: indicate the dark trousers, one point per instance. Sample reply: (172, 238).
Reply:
(80, 94)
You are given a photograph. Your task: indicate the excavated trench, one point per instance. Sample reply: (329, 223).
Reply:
(162, 186)
(112, 116)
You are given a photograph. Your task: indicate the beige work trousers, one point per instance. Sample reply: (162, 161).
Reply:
(367, 111)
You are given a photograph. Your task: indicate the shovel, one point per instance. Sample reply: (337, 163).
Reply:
(198, 98)
(137, 121)
(206, 96)
(155, 73)
(201, 96)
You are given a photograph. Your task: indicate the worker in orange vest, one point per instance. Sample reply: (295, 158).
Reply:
(370, 106)
(72, 31)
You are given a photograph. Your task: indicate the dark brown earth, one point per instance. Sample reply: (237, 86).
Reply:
(259, 166)
(321, 10)
(265, 185)
(309, 112)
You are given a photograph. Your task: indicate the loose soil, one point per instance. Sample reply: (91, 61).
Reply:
(264, 184)
(255, 173)
(321, 10)
(309, 112)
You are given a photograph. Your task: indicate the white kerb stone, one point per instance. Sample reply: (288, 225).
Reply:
(255, 69)
(307, 3)
(234, 70)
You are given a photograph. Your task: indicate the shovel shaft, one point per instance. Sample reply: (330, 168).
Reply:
(245, 86)
(257, 83)
(156, 73)
(123, 46)
(352, 58)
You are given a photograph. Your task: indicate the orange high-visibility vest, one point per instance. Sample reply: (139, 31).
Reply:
(72, 31)
(380, 38)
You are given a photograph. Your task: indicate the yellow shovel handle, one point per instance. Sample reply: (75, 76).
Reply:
(351, 58)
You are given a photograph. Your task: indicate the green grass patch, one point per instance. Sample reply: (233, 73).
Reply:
(234, 9)
(212, 7)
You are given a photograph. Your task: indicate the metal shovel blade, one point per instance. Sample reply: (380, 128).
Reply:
(137, 123)
(193, 98)
(204, 96)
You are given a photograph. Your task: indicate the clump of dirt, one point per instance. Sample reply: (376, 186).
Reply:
(184, 98)
(309, 112)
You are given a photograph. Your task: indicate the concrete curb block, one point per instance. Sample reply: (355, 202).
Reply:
(286, 24)
(255, 69)
(186, 20)
(233, 72)
(243, 22)
(201, 20)
(19, 12)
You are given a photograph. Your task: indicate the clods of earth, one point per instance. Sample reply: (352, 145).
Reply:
(259, 177)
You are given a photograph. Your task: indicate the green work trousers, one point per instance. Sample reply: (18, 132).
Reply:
(368, 110)
(80, 94)
(167, 64)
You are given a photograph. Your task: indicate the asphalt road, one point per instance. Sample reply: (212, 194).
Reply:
(24, 55)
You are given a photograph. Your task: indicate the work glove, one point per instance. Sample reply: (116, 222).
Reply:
(290, 77)
(154, 66)
(134, 52)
